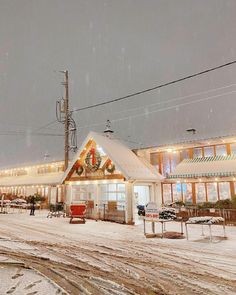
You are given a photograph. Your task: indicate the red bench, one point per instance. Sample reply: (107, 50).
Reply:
(77, 211)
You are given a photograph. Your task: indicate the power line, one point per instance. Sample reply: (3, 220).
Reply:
(28, 133)
(138, 93)
(161, 109)
(175, 99)
(155, 87)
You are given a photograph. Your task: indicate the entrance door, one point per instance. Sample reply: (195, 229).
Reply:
(141, 198)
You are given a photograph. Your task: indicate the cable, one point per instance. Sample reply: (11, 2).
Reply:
(28, 133)
(155, 87)
(169, 100)
(162, 109)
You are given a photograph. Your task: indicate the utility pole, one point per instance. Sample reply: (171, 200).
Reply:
(66, 109)
(64, 116)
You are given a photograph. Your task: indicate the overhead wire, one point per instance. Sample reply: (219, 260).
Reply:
(179, 98)
(155, 87)
(141, 92)
(161, 109)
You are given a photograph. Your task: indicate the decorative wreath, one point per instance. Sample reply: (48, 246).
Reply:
(79, 170)
(93, 160)
(110, 167)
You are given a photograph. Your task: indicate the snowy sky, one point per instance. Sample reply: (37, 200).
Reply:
(113, 48)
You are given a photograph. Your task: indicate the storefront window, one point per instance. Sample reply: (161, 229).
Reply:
(187, 193)
(166, 163)
(197, 153)
(221, 150)
(177, 192)
(212, 192)
(113, 192)
(175, 159)
(83, 193)
(208, 151)
(200, 193)
(224, 190)
(167, 199)
(184, 154)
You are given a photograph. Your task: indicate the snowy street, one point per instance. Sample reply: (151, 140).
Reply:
(109, 258)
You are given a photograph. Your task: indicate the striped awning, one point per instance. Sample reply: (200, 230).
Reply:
(219, 166)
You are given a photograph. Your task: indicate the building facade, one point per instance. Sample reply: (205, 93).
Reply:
(43, 179)
(113, 180)
(196, 172)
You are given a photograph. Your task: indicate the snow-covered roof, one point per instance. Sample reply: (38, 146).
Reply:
(221, 166)
(124, 159)
(44, 179)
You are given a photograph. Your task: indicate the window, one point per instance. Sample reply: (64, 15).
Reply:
(177, 192)
(233, 148)
(224, 190)
(200, 193)
(212, 192)
(209, 151)
(221, 150)
(184, 154)
(166, 163)
(83, 193)
(154, 159)
(197, 153)
(167, 199)
(113, 192)
(175, 159)
(187, 193)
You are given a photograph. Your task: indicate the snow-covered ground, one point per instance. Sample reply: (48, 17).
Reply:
(109, 258)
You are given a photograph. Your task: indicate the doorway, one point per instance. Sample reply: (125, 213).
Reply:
(141, 198)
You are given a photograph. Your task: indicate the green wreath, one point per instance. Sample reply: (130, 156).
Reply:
(93, 166)
(110, 167)
(79, 170)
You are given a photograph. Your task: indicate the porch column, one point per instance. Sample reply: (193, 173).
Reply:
(129, 191)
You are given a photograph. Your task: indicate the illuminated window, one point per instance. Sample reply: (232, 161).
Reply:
(154, 159)
(212, 192)
(197, 153)
(113, 192)
(187, 193)
(209, 151)
(221, 150)
(200, 193)
(177, 192)
(184, 154)
(175, 159)
(224, 190)
(166, 163)
(233, 148)
(167, 193)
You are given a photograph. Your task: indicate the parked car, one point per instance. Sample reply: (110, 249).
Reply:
(19, 202)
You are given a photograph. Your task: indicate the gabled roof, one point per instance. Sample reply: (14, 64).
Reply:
(124, 159)
(44, 179)
(219, 166)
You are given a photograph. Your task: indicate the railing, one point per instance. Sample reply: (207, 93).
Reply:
(228, 214)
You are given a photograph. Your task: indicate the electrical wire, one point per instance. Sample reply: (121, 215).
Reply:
(174, 99)
(141, 92)
(28, 133)
(155, 87)
(161, 109)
